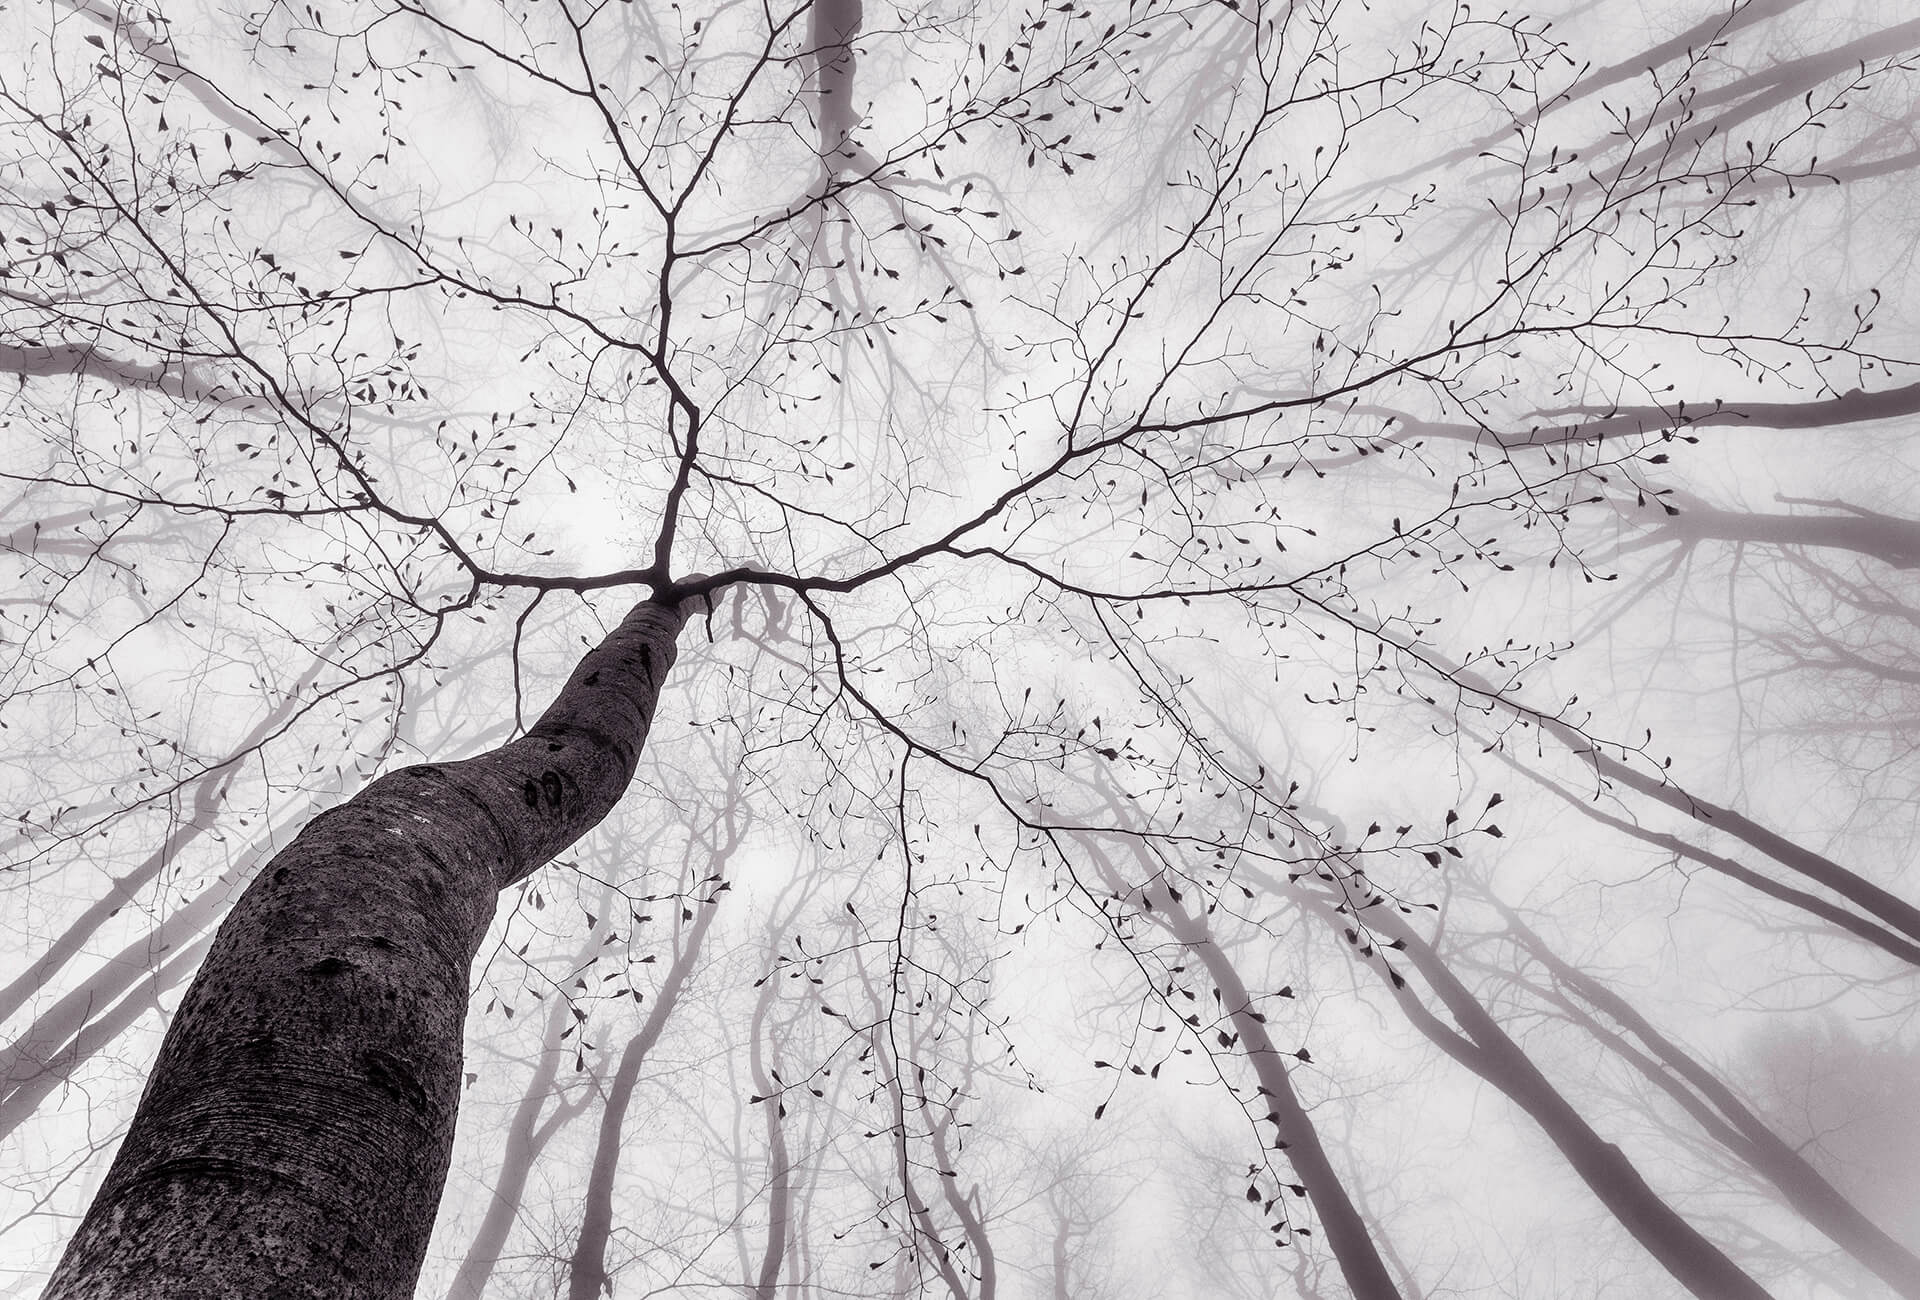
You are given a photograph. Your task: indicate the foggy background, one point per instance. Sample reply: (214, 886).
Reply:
(1406, 509)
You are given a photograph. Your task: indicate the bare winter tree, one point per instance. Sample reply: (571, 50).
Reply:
(792, 610)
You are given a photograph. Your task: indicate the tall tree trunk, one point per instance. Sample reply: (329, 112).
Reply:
(1883, 905)
(1062, 1256)
(1890, 909)
(104, 1022)
(966, 1208)
(1345, 1228)
(295, 1131)
(1721, 1112)
(587, 1275)
(527, 1135)
(779, 1164)
(1486, 1049)
(196, 820)
(1852, 922)
(1346, 1231)
(834, 25)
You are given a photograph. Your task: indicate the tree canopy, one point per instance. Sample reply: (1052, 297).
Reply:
(1299, 620)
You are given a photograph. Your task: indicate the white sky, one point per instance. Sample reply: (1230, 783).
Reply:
(1215, 253)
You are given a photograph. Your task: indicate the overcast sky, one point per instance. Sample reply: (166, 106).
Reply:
(1159, 443)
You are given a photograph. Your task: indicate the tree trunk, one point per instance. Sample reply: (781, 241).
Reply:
(527, 1135)
(1721, 1112)
(1883, 905)
(1694, 1261)
(93, 1033)
(197, 819)
(834, 25)
(966, 1208)
(295, 1131)
(587, 1275)
(1346, 1229)
(1853, 923)
(779, 1165)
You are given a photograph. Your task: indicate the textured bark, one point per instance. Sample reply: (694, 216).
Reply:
(295, 1131)
(87, 1018)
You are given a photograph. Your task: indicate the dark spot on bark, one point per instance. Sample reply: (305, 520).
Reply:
(391, 1075)
(377, 941)
(198, 1169)
(646, 663)
(328, 967)
(591, 679)
(551, 787)
(280, 876)
(259, 1045)
(554, 746)
(531, 793)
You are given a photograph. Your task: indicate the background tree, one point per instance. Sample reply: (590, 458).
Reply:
(1043, 461)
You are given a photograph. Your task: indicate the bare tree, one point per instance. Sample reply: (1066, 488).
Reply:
(1014, 464)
